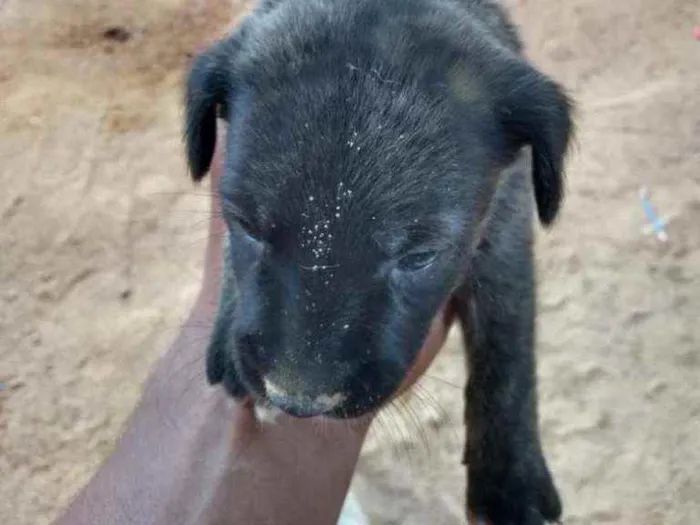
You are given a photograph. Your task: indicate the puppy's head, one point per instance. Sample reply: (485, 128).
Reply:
(355, 179)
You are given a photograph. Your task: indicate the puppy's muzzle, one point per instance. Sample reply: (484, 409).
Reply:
(301, 404)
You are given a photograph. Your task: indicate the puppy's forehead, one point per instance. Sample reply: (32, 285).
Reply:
(349, 164)
(341, 137)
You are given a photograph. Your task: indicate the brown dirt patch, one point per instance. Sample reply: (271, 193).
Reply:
(102, 234)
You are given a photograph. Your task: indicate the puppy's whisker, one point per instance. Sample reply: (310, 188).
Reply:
(197, 324)
(411, 422)
(426, 400)
(181, 193)
(214, 236)
(419, 427)
(390, 432)
(422, 395)
(403, 424)
(208, 214)
(380, 429)
(199, 225)
(442, 417)
(443, 381)
(396, 431)
(200, 340)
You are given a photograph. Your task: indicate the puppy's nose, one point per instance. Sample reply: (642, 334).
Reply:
(301, 405)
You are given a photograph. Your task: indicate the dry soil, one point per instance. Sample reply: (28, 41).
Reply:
(101, 240)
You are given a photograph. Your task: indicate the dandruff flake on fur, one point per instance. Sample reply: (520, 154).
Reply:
(351, 142)
(316, 237)
(343, 194)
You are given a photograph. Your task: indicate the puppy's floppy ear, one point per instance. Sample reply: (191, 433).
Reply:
(535, 110)
(208, 88)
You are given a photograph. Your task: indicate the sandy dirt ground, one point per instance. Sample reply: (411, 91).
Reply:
(101, 239)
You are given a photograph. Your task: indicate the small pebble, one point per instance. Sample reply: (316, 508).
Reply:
(655, 388)
(117, 34)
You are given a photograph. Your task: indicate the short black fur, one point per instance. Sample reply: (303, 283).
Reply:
(381, 160)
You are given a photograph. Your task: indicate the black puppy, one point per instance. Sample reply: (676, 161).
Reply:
(381, 160)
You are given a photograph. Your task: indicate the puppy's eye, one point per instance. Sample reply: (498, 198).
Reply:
(248, 228)
(417, 261)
